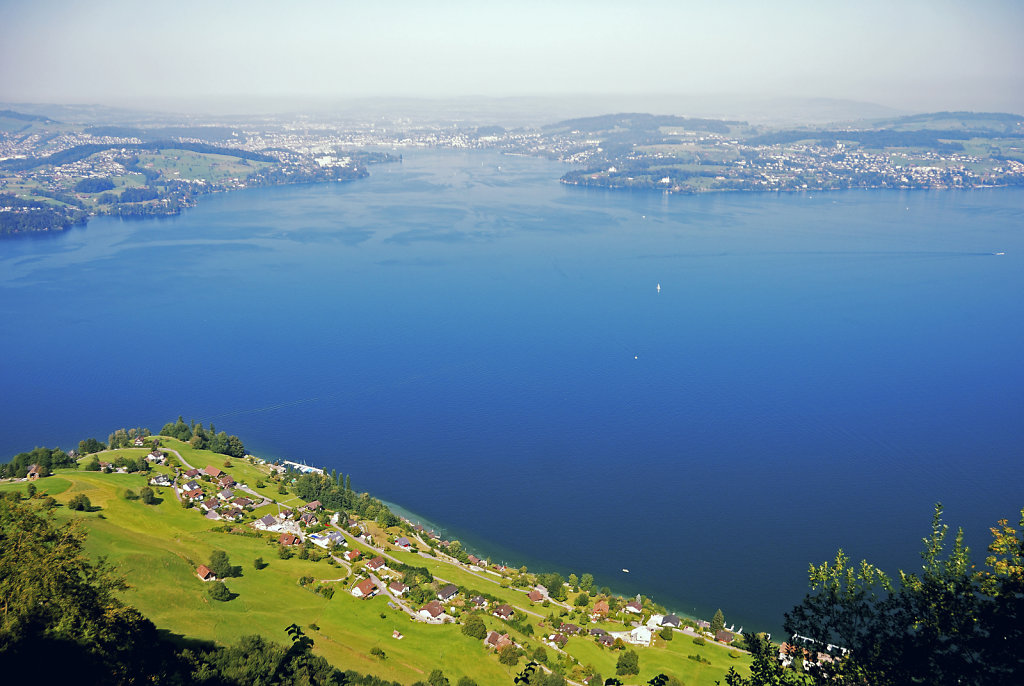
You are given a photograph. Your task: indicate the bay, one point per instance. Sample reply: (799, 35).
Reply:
(488, 348)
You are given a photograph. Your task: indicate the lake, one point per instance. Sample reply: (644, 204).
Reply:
(488, 348)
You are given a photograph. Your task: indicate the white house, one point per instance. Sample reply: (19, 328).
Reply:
(266, 523)
(641, 635)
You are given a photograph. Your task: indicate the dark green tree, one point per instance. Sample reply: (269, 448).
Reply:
(80, 502)
(474, 626)
(218, 591)
(220, 565)
(147, 495)
(437, 678)
(90, 445)
(628, 663)
(717, 622)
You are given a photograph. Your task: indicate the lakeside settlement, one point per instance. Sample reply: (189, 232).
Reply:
(422, 586)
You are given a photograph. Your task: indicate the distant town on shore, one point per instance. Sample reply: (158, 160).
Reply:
(54, 174)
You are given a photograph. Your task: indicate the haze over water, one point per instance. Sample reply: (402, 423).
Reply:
(486, 347)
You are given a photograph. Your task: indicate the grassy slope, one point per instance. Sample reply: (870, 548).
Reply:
(156, 548)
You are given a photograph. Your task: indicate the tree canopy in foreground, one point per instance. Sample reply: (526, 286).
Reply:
(949, 623)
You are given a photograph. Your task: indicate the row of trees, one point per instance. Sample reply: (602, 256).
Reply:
(204, 439)
(335, 493)
(48, 459)
(125, 438)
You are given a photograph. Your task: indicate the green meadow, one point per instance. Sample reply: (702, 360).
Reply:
(157, 548)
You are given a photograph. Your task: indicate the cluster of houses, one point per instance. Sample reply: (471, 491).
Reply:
(290, 522)
(222, 503)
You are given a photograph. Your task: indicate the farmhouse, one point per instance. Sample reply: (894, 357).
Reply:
(204, 573)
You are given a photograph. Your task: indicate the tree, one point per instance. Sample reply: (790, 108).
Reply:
(766, 669)
(437, 678)
(628, 663)
(220, 565)
(258, 563)
(94, 634)
(509, 655)
(540, 654)
(466, 681)
(666, 633)
(717, 622)
(90, 445)
(147, 495)
(80, 503)
(587, 582)
(474, 626)
(218, 591)
(947, 624)
(31, 490)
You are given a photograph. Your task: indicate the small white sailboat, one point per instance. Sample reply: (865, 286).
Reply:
(659, 288)
(625, 570)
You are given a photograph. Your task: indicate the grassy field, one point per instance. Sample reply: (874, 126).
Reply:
(156, 548)
(190, 166)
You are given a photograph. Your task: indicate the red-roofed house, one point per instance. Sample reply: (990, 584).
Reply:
(364, 589)
(213, 471)
(204, 573)
(503, 611)
(431, 610)
(289, 539)
(376, 563)
(535, 596)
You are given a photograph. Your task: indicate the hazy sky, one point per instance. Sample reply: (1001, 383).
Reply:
(927, 54)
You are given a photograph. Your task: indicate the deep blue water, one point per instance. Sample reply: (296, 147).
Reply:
(474, 341)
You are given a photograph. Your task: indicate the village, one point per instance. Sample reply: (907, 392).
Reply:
(374, 563)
